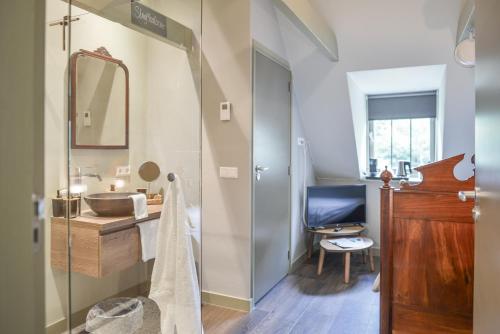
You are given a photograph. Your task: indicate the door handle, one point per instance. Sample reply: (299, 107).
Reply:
(466, 195)
(258, 171)
(260, 168)
(471, 194)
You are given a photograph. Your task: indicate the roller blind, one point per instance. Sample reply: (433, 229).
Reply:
(402, 106)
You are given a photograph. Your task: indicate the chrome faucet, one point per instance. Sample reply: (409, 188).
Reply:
(97, 176)
(79, 174)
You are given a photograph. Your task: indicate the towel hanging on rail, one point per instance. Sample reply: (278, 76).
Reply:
(174, 282)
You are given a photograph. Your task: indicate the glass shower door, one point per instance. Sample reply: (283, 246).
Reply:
(59, 204)
(132, 162)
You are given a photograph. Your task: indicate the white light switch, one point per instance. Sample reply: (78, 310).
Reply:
(123, 171)
(228, 172)
(225, 111)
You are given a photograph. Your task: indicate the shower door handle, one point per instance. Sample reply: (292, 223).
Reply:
(37, 222)
(258, 171)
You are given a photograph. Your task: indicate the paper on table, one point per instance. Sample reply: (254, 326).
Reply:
(347, 242)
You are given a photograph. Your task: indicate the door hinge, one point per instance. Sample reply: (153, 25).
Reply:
(289, 171)
(290, 86)
(288, 255)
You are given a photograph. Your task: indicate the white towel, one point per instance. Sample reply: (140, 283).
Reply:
(174, 283)
(194, 214)
(148, 231)
(140, 206)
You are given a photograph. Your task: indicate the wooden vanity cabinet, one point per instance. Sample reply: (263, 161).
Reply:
(100, 245)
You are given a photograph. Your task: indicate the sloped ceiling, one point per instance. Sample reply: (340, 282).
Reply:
(306, 17)
(374, 35)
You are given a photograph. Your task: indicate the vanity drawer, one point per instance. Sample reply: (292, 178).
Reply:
(94, 254)
(118, 250)
(100, 245)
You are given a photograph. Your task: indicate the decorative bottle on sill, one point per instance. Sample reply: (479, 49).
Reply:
(386, 176)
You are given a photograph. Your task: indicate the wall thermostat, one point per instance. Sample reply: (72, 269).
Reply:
(87, 121)
(225, 111)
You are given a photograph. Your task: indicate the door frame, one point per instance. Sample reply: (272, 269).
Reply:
(486, 229)
(22, 122)
(258, 47)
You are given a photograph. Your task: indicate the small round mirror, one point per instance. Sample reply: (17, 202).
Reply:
(149, 171)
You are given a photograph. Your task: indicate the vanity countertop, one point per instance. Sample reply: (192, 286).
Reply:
(106, 225)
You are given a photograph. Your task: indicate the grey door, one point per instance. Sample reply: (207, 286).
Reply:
(271, 160)
(22, 28)
(487, 245)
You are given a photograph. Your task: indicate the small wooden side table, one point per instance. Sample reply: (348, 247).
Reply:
(330, 233)
(327, 246)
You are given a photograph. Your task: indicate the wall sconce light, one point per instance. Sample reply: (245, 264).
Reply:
(465, 51)
(119, 183)
(77, 188)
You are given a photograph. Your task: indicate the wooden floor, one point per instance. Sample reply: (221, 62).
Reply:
(305, 303)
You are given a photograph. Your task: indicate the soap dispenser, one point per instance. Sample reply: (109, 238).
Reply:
(59, 204)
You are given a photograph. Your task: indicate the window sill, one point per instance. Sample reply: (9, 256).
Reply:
(379, 179)
(394, 179)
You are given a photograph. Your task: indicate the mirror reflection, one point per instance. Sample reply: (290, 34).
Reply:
(100, 100)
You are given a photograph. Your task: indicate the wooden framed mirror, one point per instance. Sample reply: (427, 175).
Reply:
(99, 101)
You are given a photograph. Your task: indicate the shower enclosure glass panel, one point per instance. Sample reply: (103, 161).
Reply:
(56, 170)
(131, 116)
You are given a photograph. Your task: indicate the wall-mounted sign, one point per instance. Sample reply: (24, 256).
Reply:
(149, 19)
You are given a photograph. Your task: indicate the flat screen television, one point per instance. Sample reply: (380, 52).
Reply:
(335, 205)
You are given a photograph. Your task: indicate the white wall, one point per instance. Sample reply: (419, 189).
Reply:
(302, 167)
(164, 127)
(375, 35)
(359, 117)
(226, 212)
(172, 118)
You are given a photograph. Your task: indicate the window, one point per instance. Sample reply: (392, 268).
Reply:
(402, 127)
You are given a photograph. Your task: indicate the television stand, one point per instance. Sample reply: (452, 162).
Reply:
(332, 232)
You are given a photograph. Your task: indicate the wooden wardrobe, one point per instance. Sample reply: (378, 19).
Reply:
(427, 253)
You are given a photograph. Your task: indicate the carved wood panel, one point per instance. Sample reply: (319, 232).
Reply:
(427, 250)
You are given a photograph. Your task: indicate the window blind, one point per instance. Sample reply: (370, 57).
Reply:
(402, 106)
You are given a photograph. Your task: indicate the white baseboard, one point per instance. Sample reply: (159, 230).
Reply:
(235, 303)
(298, 261)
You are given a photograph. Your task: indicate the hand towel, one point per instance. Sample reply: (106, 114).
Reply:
(174, 283)
(148, 231)
(140, 206)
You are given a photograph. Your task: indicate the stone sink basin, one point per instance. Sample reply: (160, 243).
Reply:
(112, 204)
